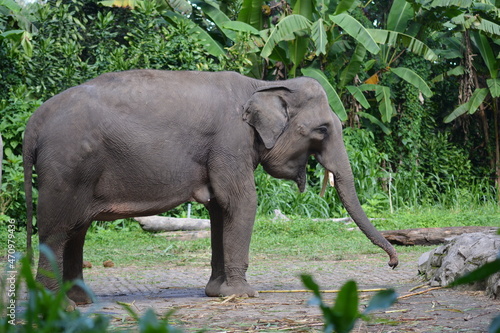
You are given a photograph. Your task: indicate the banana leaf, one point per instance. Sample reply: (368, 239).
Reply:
(412, 78)
(251, 13)
(285, 28)
(394, 38)
(356, 30)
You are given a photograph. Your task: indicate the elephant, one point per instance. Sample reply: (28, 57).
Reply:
(141, 142)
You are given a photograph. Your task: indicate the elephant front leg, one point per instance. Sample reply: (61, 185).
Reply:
(231, 234)
(218, 275)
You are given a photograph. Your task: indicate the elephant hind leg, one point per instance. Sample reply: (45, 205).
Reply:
(67, 249)
(73, 266)
(62, 224)
(51, 259)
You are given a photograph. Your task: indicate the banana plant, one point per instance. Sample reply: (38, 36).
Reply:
(486, 48)
(395, 41)
(251, 13)
(308, 27)
(485, 96)
(319, 25)
(475, 29)
(313, 27)
(478, 21)
(331, 26)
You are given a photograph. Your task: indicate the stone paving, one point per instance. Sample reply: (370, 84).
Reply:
(368, 270)
(182, 288)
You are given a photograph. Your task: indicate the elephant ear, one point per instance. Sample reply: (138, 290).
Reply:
(267, 112)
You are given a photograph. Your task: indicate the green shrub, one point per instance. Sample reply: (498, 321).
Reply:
(15, 114)
(46, 311)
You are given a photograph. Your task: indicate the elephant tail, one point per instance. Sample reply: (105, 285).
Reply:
(29, 156)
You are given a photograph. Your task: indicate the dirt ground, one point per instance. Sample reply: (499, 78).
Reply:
(182, 288)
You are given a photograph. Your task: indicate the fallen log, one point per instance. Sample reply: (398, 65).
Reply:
(184, 235)
(163, 223)
(430, 236)
(343, 219)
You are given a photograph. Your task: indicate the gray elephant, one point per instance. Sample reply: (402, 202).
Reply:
(141, 142)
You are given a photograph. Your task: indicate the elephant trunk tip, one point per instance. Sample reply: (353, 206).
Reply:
(393, 262)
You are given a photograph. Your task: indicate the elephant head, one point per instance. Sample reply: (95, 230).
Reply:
(294, 120)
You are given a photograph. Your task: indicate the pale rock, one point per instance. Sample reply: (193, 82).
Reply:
(459, 256)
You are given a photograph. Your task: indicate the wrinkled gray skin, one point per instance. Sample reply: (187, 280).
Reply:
(142, 142)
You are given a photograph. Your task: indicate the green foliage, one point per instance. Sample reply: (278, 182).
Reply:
(366, 162)
(47, 311)
(276, 194)
(342, 316)
(442, 175)
(198, 210)
(16, 111)
(167, 48)
(117, 225)
(369, 177)
(16, 28)
(56, 63)
(425, 167)
(149, 323)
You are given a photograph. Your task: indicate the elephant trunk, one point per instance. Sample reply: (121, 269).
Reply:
(337, 162)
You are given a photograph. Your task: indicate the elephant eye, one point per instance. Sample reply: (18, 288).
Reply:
(322, 129)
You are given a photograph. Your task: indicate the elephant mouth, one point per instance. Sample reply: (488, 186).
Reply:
(300, 180)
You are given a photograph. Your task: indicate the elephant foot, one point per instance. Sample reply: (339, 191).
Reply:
(220, 287)
(241, 289)
(79, 296)
(213, 286)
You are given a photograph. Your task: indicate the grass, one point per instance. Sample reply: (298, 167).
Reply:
(434, 217)
(308, 240)
(299, 238)
(143, 248)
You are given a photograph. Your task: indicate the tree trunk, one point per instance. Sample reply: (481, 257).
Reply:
(430, 236)
(162, 223)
